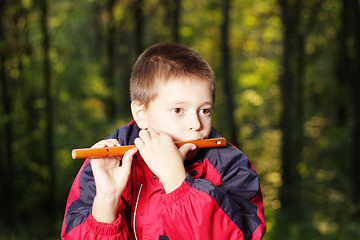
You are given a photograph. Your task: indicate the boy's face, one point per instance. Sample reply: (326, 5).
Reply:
(182, 109)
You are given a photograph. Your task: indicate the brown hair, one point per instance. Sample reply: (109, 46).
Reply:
(163, 61)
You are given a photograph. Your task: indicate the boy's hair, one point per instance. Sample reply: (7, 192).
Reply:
(163, 61)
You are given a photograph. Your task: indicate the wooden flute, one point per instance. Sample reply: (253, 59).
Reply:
(120, 151)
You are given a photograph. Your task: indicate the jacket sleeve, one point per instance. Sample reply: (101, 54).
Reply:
(78, 222)
(227, 207)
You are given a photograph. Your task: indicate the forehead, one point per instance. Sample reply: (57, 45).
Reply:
(185, 88)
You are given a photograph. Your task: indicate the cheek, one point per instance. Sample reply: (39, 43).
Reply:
(176, 131)
(208, 125)
(207, 122)
(166, 124)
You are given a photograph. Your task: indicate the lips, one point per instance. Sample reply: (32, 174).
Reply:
(193, 138)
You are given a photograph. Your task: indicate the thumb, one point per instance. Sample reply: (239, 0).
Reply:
(127, 158)
(186, 148)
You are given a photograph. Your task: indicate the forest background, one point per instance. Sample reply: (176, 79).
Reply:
(288, 95)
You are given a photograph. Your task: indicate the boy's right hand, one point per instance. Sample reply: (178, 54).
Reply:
(110, 179)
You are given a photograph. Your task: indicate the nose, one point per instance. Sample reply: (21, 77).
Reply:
(193, 122)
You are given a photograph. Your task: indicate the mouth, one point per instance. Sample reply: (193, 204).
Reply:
(189, 137)
(192, 139)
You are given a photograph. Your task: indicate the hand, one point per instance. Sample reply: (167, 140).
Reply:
(110, 179)
(163, 157)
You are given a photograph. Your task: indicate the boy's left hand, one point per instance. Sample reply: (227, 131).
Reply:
(163, 157)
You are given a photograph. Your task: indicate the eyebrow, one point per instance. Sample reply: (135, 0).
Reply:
(184, 102)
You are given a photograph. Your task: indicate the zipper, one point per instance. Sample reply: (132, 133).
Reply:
(137, 201)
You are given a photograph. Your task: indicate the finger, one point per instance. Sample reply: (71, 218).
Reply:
(184, 149)
(144, 135)
(127, 159)
(139, 143)
(152, 132)
(112, 143)
(106, 143)
(115, 142)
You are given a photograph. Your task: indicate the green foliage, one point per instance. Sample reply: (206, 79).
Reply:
(79, 66)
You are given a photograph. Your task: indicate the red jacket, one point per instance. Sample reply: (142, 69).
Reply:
(220, 198)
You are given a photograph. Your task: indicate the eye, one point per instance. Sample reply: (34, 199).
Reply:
(206, 111)
(177, 111)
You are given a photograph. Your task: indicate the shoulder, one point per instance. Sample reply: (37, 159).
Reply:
(230, 162)
(225, 157)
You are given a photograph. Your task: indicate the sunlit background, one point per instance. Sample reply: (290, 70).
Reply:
(287, 95)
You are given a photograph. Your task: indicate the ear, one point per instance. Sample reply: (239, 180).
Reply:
(138, 111)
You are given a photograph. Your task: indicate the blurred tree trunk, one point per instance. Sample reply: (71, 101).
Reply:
(126, 67)
(343, 64)
(344, 70)
(126, 57)
(139, 27)
(226, 72)
(176, 20)
(172, 17)
(291, 151)
(110, 103)
(6, 156)
(96, 23)
(49, 103)
(355, 86)
(348, 73)
(292, 91)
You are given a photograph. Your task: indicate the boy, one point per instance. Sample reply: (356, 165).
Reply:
(157, 191)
